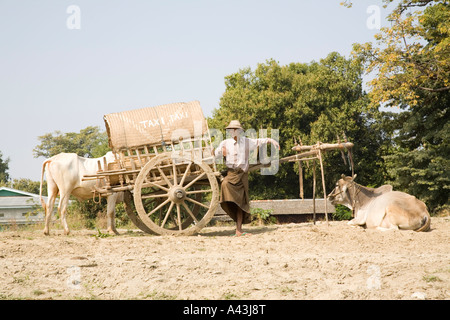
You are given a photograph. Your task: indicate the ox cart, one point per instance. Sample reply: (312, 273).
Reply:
(165, 167)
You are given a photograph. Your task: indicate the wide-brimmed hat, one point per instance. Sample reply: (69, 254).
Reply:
(234, 124)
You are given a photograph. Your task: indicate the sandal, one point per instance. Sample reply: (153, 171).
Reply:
(243, 234)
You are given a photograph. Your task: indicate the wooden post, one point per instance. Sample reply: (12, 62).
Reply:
(314, 191)
(314, 152)
(349, 154)
(300, 178)
(323, 186)
(107, 179)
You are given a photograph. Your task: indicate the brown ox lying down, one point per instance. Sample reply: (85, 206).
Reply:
(381, 208)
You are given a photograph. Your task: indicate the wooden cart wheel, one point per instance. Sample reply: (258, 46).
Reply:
(175, 196)
(131, 212)
(134, 217)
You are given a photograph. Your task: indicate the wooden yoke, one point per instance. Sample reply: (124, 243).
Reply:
(313, 152)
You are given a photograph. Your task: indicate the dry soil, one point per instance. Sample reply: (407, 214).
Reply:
(293, 261)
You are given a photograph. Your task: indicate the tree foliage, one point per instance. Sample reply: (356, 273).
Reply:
(313, 102)
(412, 54)
(90, 142)
(26, 185)
(4, 167)
(411, 63)
(419, 163)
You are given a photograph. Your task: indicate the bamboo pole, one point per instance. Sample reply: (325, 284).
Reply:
(324, 146)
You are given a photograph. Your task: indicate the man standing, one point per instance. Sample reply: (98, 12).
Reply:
(234, 197)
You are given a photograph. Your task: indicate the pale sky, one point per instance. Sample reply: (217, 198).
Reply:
(131, 54)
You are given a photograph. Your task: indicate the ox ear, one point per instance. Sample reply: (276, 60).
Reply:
(343, 176)
(354, 177)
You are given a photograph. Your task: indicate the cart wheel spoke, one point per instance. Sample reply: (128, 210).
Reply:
(198, 191)
(185, 173)
(158, 186)
(167, 214)
(189, 211)
(196, 202)
(195, 180)
(158, 207)
(179, 216)
(163, 175)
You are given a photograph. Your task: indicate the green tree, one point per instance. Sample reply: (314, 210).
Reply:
(4, 167)
(316, 102)
(411, 64)
(90, 142)
(412, 54)
(26, 185)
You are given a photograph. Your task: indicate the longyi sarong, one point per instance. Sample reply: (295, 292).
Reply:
(234, 194)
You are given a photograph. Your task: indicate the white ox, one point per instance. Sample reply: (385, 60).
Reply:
(381, 208)
(65, 172)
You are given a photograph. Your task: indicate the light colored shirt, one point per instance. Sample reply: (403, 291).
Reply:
(238, 152)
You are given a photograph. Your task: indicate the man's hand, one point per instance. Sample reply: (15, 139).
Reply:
(224, 151)
(275, 143)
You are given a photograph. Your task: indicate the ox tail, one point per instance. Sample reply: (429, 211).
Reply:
(426, 222)
(42, 181)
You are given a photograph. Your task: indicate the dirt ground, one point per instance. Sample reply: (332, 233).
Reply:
(293, 261)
